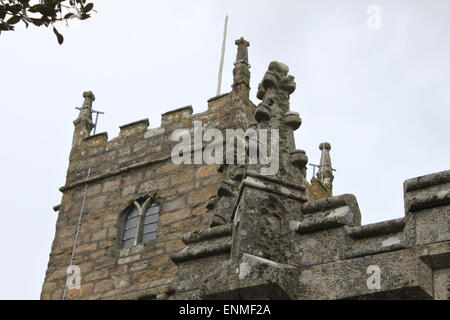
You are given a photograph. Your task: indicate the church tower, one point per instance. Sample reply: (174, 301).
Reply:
(126, 205)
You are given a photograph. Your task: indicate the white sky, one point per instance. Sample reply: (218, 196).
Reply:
(381, 98)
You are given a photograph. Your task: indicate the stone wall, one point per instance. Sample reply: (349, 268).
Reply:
(130, 166)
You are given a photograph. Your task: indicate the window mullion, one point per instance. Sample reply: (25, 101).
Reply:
(140, 227)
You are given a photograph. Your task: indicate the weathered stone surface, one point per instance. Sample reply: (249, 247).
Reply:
(230, 231)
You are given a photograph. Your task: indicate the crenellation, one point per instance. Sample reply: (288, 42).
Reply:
(96, 140)
(178, 118)
(218, 101)
(427, 181)
(377, 229)
(134, 128)
(334, 218)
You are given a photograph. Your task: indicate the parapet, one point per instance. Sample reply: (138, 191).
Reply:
(96, 139)
(327, 254)
(217, 101)
(427, 201)
(134, 128)
(329, 213)
(178, 118)
(427, 191)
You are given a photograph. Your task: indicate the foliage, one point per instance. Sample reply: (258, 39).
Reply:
(42, 13)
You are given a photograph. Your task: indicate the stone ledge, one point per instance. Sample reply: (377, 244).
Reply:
(198, 252)
(338, 217)
(211, 233)
(364, 252)
(253, 174)
(274, 186)
(437, 255)
(427, 181)
(376, 229)
(321, 205)
(428, 200)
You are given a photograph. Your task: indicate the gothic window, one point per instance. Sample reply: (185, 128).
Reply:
(141, 223)
(130, 228)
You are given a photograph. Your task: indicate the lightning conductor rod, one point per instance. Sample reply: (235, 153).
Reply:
(222, 55)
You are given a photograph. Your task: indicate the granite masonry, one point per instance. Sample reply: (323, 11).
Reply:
(226, 231)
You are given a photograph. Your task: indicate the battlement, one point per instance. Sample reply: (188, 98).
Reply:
(134, 128)
(138, 144)
(332, 248)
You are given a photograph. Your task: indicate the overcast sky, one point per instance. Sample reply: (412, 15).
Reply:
(380, 97)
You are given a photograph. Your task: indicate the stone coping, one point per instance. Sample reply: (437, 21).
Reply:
(199, 252)
(377, 229)
(330, 203)
(218, 97)
(144, 122)
(186, 108)
(428, 200)
(427, 181)
(104, 135)
(210, 233)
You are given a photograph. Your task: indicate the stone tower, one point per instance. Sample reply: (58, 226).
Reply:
(132, 224)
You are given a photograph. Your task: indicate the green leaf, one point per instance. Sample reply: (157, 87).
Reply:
(59, 36)
(84, 16)
(35, 8)
(13, 20)
(4, 26)
(15, 9)
(88, 7)
(2, 12)
(37, 22)
(47, 11)
(67, 16)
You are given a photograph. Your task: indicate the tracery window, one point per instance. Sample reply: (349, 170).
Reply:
(141, 223)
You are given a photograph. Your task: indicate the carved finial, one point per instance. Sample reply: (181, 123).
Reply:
(241, 72)
(277, 85)
(325, 145)
(83, 124)
(89, 95)
(242, 52)
(88, 98)
(276, 78)
(325, 173)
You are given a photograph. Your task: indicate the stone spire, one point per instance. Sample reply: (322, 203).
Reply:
(325, 173)
(241, 71)
(83, 124)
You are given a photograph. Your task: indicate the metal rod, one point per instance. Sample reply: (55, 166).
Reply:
(222, 56)
(95, 124)
(75, 241)
(96, 116)
(318, 166)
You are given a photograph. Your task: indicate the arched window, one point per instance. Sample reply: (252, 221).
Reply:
(130, 228)
(150, 224)
(141, 223)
